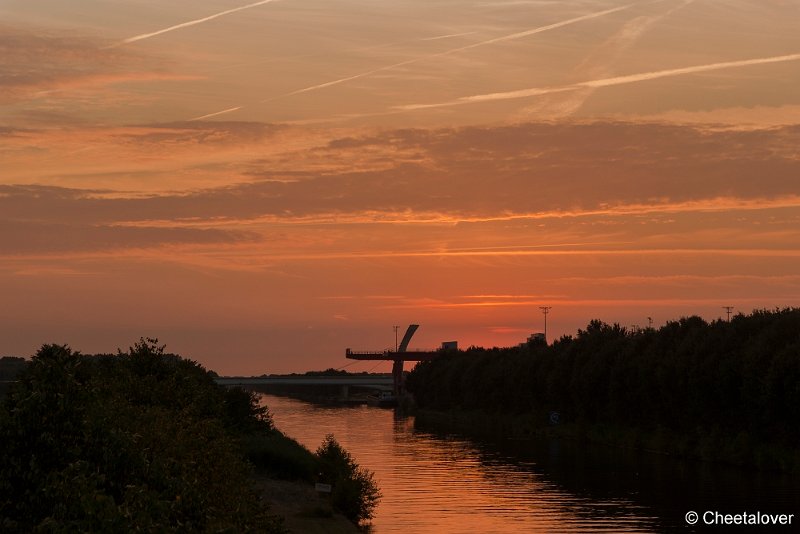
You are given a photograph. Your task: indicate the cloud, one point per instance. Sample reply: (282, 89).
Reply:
(479, 194)
(217, 133)
(508, 37)
(599, 63)
(33, 62)
(142, 160)
(26, 237)
(444, 176)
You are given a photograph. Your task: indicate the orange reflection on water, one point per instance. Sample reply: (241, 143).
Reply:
(445, 484)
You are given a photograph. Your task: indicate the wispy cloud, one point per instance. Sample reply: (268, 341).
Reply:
(509, 37)
(605, 82)
(420, 304)
(34, 64)
(251, 174)
(25, 237)
(599, 63)
(194, 22)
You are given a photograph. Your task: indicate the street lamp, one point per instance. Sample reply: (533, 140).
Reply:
(545, 311)
(728, 310)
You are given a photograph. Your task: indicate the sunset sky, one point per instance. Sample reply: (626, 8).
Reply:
(263, 184)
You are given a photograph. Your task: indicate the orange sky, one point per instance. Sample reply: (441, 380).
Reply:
(263, 184)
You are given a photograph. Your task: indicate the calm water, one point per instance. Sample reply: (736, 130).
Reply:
(441, 483)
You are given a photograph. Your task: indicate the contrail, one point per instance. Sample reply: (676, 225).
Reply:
(208, 116)
(596, 67)
(446, 36)
(191, 23)
(605, 82)
(533, 31)
(509, 37)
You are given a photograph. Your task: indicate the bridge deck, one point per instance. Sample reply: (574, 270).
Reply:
(408, 356)
(301, 380)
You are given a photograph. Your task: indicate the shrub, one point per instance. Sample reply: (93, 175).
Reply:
(355, 492)
(279, 456)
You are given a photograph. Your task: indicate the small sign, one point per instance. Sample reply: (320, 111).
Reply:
(323, 488)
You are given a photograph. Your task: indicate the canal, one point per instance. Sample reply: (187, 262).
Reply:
(438, 482)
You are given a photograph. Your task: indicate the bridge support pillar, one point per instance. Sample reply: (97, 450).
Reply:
(397, 377)
(345, 392)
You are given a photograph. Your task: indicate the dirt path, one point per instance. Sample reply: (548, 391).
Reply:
(305, 512)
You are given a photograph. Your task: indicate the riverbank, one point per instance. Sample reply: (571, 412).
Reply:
(303, 510)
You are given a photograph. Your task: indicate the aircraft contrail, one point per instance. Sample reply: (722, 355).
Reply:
(599, 64)
(605, 82)
(191, 23)
(508, 37)
(436, 38)
(533, 31)
(209, 115)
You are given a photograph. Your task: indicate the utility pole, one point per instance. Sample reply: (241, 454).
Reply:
(545, 311)
(395, 336)
(728, 309)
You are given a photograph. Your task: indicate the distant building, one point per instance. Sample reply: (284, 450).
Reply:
(449, 345)
(537, 338)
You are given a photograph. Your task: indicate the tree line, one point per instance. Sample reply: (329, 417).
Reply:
(698, 385)
(147, 441)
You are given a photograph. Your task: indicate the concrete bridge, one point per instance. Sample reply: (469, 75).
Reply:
(382, 381)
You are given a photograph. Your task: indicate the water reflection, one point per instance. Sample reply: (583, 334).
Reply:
(443, 483)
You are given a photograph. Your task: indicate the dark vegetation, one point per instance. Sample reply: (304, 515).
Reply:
(10, 367)
(143, 441)
(725, 391)
(355, 492)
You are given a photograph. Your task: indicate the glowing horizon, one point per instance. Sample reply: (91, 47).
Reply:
(260, 185)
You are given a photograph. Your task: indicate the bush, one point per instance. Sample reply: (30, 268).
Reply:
(355, 493)
(243, 412)
(279, 456)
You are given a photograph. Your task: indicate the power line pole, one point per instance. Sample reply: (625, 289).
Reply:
(395, 336)
(545, 311)
(728, 309)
